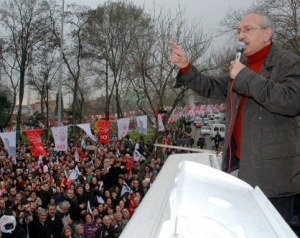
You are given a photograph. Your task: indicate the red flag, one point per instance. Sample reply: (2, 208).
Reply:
(104, 130)
(132, 204)
(129, 164)
(34, 136)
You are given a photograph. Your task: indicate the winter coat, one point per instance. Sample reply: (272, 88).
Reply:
(270, 152)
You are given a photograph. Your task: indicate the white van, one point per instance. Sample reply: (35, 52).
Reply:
(217, 128)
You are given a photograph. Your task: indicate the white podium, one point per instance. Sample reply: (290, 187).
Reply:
(192, 198)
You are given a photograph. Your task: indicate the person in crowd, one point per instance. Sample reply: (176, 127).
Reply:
(201, 142)
(79, 231)
(38, 227)
(12, 197)
(68, 232)
(217, 140)
(34, 198)
(63, 213)
(89, 225)
(82, 198)
(11, 227)
(106, 230)
(44, 193)
(263, 95)
(54, 221)
(2, 207)
(118, 224)
(74, 209)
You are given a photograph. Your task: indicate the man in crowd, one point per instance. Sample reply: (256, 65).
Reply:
(54, 221)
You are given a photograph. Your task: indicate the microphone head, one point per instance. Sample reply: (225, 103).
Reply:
(240, 46)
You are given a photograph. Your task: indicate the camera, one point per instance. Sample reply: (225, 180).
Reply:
(27, 214)
(9, 226)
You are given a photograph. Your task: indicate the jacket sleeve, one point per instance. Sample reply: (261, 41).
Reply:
(279, 94)
(210, 87)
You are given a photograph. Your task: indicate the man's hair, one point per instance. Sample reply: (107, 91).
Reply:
(51, 205)
(64, 203)
(267, 20)
(42, 211)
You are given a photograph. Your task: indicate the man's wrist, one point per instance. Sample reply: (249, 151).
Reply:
(185, 69)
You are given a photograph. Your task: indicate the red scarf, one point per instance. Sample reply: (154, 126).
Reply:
(256, 61)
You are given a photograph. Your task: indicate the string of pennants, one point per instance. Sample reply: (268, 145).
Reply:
(60, 134)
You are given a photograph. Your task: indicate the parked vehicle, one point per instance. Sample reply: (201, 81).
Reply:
(198, 122)
(205, 130)
(217, 128)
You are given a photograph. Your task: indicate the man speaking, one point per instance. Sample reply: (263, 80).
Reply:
(263, 106)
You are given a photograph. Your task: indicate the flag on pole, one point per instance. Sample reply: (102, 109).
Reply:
(123, 127)
(125, 189)
(60, 135)
(104, 131)
(137, 156)
(76, 155)
(100, 200)
(88, 207)
(161, 126)
(83, 144)
(9, 141)
(87, 129)
(141, 122)
(34, 136)
(74, 174)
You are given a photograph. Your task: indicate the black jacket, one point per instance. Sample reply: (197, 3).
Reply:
(56, 226)
(38, 230)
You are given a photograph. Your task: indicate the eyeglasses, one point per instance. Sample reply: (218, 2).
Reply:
(248, 29)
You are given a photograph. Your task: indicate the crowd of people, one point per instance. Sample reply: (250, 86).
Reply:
(40, 197)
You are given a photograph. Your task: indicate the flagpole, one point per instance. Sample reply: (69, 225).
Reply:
(59, 108)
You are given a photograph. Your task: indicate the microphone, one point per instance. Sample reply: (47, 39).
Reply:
(239, 50)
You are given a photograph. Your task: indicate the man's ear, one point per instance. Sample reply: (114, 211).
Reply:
(268, 34)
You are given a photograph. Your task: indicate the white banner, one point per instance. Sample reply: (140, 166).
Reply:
(141, 122)
(161, 126)
(9, 140)
(87, 128)
(60, 135)
(123, 127)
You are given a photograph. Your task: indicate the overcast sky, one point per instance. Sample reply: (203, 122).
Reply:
(209, 12)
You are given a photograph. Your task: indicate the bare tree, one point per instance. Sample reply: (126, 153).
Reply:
(25, 23)
(153, 75)
(111, 32)
(43, 73)
(9, 84)
(73, 53)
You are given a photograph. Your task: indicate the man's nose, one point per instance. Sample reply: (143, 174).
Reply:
(241, 36)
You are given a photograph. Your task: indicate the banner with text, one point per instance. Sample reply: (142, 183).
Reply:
(60, 135)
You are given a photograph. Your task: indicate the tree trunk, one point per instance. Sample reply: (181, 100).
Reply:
(107, 100)
(118, 104)
(21, 95)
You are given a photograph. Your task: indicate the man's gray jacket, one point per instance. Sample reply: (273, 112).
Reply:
(270, 153)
